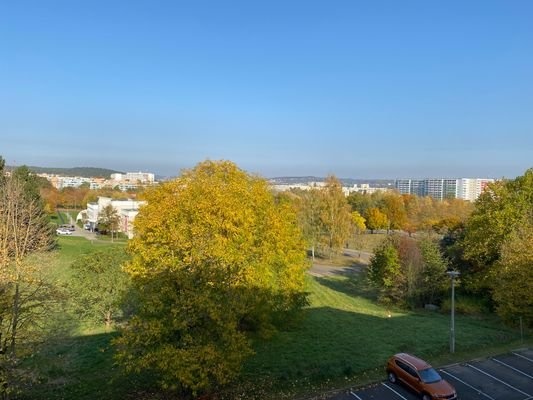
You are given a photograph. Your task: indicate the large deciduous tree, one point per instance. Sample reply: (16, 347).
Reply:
(393, 207)
(24, 233)
(513, 292)
(375, 219)
(335, 215)
(214, 257)
(310, 210)
(499, 212)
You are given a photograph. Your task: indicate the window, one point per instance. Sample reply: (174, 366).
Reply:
(430, 375)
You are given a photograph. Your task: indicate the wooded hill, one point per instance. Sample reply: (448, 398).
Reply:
(86, 172)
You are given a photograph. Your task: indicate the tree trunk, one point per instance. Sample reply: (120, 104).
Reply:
(14, 321)
(108, 320)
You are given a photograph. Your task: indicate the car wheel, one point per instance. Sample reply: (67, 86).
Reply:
(426, 396)
(392, 377)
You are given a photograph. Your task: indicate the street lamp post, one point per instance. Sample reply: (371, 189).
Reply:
(453, 275)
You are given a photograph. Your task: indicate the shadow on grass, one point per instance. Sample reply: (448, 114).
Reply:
(329, 345)
(332, 344)
(83, 367)
(352, 284)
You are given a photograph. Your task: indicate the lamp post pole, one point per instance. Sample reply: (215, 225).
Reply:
(453, 275)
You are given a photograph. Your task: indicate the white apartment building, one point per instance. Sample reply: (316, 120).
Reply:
(134, 177)
(126, 209)
(61, 182)
(440, 189)
(470, 188)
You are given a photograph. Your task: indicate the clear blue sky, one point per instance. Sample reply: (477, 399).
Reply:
(355, 88)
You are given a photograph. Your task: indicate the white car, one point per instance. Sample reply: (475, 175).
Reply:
(63, 231)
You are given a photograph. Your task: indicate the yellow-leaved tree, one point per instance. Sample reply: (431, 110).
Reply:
(214, 257)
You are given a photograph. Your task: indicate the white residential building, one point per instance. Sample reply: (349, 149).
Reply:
(463, 188)
(470, 188)
(126, 209)
(134, 177)
(61, 182)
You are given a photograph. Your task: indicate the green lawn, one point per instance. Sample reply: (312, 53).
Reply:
(69, 249)
(344, 338)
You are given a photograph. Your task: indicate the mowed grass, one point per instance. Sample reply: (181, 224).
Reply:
(70, 248)
(346, 337)
(343, 338)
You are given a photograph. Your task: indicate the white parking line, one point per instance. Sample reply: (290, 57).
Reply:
(466, 384)
(513, 368)
(499, 380)
(521, 356)
(354, 395)
(388, 387)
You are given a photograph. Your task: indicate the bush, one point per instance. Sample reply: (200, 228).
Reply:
(467, 305)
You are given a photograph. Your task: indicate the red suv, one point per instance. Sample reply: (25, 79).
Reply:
(419, 376)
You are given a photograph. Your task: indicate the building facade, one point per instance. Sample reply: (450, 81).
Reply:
(444, 188)
(127, 210)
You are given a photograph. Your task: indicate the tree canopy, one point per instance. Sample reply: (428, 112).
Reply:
(214, 257)
(499, 212)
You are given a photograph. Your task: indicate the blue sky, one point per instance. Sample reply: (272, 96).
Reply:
(362, 89)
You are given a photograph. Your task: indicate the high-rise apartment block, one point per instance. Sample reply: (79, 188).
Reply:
(462, 188)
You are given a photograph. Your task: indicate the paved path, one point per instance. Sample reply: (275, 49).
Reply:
(360, 260)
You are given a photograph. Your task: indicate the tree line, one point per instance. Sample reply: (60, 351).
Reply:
(492, 249)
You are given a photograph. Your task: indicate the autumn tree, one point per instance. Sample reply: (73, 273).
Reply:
(392, 206)
(214, 257)
(358, 222)
(310, 213)
(98, 285)
(25, 233)
(335, 215)
(375, 219)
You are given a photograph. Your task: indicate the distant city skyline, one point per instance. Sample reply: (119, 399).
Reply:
(377, 90)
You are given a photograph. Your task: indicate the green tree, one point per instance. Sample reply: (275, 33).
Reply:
(499, 212)
(214, 257)
(433, 274)
(360, 202)
(29, 181)
(385, 273)
(335, 215)
(513, 276)
(109, 220)
(98, 285)
(375, 219)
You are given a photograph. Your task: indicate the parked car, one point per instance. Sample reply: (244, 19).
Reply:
(68, 227)
(420, 377)
(63, 231)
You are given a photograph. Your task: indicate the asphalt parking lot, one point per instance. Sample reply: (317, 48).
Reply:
(503, 377)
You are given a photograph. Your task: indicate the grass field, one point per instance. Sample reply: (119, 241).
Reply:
(344, 338)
